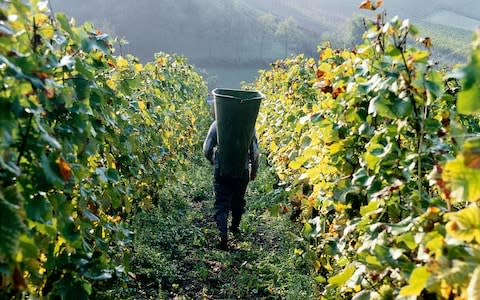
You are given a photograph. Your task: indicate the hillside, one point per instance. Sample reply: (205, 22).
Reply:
(216, 32)
(230, 39)
(449, 24)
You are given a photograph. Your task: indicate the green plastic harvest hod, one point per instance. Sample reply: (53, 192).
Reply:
(236, 112)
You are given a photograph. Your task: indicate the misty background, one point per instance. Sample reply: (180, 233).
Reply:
(229, 40)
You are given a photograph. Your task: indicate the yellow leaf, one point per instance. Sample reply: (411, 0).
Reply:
(416, 283)
(111, 84)
(341, 278)
(40, 19)
(141, 105)
(138, 67)
(445, 289)
(462, 180)
(122, 62)
(162, 61)
(465, 224)
(47, 32)
(273, 147)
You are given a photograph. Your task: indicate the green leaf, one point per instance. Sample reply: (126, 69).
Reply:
(372, 207)
(372, 260)
(275, 210)
(459, 273)
(468, 102)
(65, 24)
(361, 177)
(17, 72)
(82, 88)
(28, 247)
(408, 239)
(11, 227)
(90, 216)
(69, 230)
(45, 135)
(307, 230)
(69, 288)
(11, 166)
(363, 295)
(341, 278)
(84, 69)
(51, 175)
(468, 99)
(382, 107)
(402, 108)
(38, 209)
(90, 44)
(416, 283)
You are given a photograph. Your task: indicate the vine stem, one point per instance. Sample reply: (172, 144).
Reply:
(25, 139)
(419, 153)
(419, 119)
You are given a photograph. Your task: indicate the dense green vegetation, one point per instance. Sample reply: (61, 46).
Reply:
(374, 147)
(88, 139)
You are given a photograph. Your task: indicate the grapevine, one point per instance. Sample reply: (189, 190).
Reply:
(373, 146)
(88, 138)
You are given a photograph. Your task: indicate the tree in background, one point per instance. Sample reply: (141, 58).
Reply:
(354, 31)
(268, 24)
(288, 32)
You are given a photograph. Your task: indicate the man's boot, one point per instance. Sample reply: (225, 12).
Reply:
(234, 228)
(223, 245)
(222, 224)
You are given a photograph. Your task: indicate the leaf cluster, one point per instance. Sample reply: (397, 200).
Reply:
(365, 142)
(87, 139)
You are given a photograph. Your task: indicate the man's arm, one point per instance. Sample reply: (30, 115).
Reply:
(210, 142)
(254, 157)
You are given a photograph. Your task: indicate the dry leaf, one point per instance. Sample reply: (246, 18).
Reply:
(337, 92)
(320, 74)
(41, 75)
(472, 160)
(50, 93)
(427, 42)
(367, 4)
(65, 169)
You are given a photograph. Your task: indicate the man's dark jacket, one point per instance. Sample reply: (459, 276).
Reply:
(210, 150)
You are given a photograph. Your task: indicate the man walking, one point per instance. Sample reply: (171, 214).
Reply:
(229, 190)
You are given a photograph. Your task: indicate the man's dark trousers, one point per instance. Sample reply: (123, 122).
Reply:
(229, 195)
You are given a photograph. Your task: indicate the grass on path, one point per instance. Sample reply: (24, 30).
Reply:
(175, 255)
